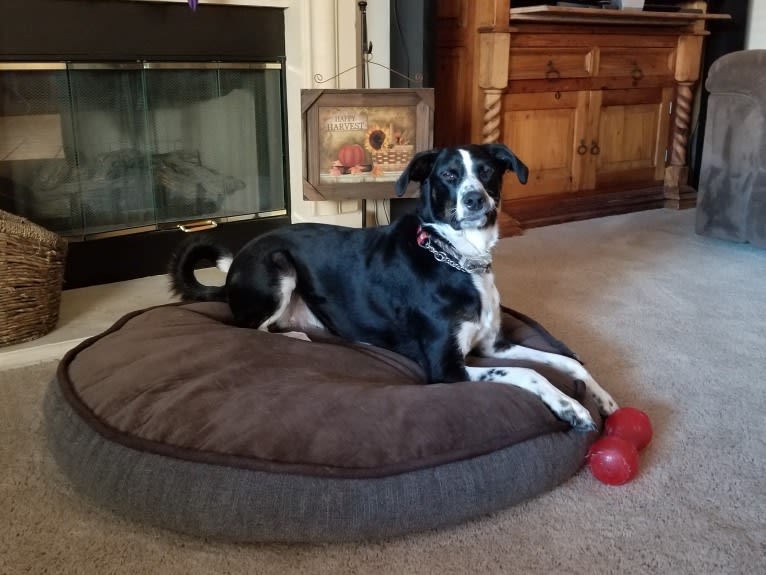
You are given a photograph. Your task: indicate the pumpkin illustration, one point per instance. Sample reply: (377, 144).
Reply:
(351, 155)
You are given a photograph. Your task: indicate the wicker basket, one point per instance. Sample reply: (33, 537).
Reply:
(31, 278)
(395, 159)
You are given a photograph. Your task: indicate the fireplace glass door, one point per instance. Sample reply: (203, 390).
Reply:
(91, 150)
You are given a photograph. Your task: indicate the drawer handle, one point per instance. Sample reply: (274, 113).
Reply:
(552, 74)
(594, 149)
(637, 73)
(582, 149)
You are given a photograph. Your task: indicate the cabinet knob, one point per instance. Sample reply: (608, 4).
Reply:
(582, 149)
(594, 149)
(637, 73)
(551, 73)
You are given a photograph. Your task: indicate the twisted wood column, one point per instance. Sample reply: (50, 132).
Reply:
(682, 120)
(494, 51)
(490, 129)
(677, 192)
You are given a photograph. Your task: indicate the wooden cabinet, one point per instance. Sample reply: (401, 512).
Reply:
(553, 161)
(629, 138)
(595, 102)
(590, 139)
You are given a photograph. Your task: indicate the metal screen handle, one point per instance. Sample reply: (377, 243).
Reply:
(197, 226)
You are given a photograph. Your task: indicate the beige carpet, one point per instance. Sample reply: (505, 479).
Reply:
(668, 321)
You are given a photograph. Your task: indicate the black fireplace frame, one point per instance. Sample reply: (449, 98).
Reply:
(122, 31)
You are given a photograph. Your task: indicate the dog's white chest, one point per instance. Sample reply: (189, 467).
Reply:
(482, 331)
(490, 303)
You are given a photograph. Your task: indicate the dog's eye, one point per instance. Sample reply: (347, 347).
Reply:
(485, 173)
(449, 176)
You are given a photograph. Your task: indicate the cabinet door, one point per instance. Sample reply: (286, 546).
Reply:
(630, 131)
(542, 130)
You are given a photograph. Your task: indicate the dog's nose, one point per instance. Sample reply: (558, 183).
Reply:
(473, 201)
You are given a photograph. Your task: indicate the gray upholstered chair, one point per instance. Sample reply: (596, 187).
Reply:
(731, 202)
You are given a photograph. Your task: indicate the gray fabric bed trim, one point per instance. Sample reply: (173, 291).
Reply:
(243, 505)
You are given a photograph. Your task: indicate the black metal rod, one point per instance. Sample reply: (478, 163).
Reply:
(363, 10)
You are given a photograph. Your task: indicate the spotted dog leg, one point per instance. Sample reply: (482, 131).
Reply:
(567, 365)
(565, 408)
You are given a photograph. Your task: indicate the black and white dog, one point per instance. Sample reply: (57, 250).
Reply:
(421, 286)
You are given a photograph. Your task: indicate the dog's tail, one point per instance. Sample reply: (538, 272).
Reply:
(185, 260)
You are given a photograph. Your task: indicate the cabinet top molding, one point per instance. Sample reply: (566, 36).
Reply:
(562, 14)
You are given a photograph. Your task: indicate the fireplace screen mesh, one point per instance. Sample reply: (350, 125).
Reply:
(93, 149)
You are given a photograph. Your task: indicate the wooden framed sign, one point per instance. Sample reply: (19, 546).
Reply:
(356, 143)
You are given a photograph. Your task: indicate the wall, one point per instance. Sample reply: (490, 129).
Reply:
(756, 29)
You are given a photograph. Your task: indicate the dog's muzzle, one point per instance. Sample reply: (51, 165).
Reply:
(476, 206)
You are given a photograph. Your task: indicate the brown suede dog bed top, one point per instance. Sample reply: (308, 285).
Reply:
(177, 417)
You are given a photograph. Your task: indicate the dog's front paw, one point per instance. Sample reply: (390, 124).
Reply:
(606, 407)
(605, 403)
(575, 415)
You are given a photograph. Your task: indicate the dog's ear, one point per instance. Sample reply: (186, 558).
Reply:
(418, 170)
(503, 154)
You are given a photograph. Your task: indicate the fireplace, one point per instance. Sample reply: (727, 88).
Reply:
(151, 123)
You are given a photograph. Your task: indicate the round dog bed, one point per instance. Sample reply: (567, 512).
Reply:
(176, 417)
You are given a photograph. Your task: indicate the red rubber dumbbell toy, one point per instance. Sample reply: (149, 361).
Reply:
(613, 459)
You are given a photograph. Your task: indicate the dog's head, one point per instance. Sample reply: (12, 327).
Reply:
(461, 186)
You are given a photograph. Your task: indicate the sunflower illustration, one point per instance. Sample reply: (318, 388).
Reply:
(377, 139)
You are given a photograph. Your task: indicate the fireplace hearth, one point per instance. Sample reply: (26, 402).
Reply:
(154, 121)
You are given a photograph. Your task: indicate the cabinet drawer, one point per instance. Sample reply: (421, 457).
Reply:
(550, 63)
(636, 62)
